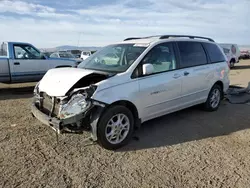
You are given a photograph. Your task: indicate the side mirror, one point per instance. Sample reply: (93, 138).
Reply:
(147, 69)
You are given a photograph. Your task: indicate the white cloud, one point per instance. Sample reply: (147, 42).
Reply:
(225, 21)
(22, 7)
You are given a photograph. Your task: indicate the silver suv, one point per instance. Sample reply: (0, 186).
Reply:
(125, 84)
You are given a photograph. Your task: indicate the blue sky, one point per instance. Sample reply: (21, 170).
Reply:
(50, 23)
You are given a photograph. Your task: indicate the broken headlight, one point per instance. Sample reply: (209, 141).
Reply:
(76, 105)
(36, 88)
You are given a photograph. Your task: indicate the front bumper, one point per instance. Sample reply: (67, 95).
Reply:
(57, 124)
(54, 123)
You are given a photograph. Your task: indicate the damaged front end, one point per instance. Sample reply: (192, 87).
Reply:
(71, 113)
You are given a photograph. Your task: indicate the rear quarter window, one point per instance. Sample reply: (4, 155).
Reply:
(192, 54)
(214, 53)
(3, 49)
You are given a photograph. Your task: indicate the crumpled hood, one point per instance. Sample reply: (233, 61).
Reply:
(57, 82)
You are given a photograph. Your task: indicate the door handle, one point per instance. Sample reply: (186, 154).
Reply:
(16, 63)
(186, 73)
(176, 76)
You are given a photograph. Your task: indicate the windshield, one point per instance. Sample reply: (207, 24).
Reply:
(113, 58)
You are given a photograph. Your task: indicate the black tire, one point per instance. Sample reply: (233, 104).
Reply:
(207, 106)
(232, 63)
(103, 122)
(63, 66)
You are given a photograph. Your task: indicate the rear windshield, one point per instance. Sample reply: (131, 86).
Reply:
(214, 53)
(3, 49)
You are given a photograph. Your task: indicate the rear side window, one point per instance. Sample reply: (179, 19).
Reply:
(214, 53)
(25, 51)
(192, 54)
(3, 49)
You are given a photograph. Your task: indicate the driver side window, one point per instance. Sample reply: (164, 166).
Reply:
(162, 58)
(26, 52)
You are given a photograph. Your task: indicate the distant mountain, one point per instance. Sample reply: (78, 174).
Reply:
(68, 47)
(94, 48)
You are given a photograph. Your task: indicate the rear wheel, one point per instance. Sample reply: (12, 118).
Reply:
(232, 62)
(115, 127)
(214, 98)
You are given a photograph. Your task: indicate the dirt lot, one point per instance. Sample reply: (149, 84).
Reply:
(190, 148)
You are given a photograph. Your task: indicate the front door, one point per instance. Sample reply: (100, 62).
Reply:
(160, 92)
(28, 64)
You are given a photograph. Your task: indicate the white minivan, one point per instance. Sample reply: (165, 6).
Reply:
(86, 54)
(127, 83)
(232, 53)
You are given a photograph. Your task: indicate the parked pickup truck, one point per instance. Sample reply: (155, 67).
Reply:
(22, 62)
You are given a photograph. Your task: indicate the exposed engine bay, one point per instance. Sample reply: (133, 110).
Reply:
(73, 111)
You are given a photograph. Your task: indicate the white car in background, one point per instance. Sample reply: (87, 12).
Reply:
(86, 54)
(65, 55)
(232, 52)
(62, 54)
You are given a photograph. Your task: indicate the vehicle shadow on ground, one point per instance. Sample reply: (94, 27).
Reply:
(189, 125)
(16, 93)
(240, 67)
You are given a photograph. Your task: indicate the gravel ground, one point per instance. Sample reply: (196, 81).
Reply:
(190, 148)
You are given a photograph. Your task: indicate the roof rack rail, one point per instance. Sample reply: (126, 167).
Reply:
(135, 38)
(132, 38)
(189, 36)
(168, 36)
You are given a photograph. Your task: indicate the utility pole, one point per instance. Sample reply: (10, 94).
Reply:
(79, 39)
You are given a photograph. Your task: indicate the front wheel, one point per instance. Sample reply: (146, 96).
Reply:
(115, 127)
(214, 99)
